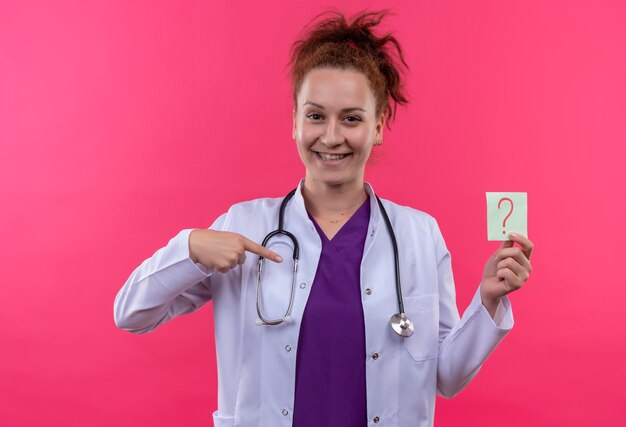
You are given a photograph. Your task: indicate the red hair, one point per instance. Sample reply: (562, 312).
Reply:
(335, 43)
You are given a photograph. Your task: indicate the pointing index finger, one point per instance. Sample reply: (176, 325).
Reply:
(255, 248)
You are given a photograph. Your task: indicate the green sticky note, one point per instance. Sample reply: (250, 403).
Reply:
(506, 212)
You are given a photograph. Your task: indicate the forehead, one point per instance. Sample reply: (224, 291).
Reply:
(333, 88)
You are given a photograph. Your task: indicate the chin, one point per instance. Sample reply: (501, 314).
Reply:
(332, 180)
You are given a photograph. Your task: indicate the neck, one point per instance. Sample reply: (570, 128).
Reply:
(326, 200)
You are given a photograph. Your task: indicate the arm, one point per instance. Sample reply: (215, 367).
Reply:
(464, 343)
(166, 285)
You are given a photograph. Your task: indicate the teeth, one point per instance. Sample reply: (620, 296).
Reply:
(324, 156)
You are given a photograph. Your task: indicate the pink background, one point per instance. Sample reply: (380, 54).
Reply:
(122, 123)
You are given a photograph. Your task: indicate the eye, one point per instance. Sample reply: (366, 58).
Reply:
(350, 119)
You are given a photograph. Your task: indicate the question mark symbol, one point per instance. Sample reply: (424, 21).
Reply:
(510, 212)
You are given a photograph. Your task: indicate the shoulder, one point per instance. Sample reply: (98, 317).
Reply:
(408, 214)
(247, 212)
(253, 207)
(416, 223)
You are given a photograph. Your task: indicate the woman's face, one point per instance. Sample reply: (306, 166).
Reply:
(335, 116)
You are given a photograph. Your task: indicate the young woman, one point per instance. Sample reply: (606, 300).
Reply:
(364, 328)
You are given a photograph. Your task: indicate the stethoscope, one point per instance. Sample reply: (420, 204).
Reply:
(400, 323)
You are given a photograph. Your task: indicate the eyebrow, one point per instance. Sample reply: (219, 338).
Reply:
(342, 110)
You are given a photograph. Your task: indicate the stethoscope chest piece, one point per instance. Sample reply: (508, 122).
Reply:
(402, 325)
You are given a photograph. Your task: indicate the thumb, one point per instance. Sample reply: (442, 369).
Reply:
(507, 244)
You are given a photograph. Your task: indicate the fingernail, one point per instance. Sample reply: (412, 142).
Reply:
(279, 259)
(513, 234)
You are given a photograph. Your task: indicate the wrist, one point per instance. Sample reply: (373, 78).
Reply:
(490, 303)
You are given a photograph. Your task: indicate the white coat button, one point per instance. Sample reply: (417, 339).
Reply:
(368, 291)
(285, 412)
(302, 285)
(376, 419)
(375, 356)
(287, 348)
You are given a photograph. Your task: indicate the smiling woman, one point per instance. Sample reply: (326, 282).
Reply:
(343, 76)
(334, 358)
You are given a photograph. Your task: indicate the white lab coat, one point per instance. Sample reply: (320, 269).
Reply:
(257, 364)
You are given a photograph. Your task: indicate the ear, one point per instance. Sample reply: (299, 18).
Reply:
(293, 129)
(380, 126)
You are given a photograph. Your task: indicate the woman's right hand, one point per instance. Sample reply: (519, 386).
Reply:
(224, 250)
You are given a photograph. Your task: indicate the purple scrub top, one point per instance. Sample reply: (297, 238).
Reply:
(330, 363)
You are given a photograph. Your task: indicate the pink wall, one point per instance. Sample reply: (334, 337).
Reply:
(122, 123)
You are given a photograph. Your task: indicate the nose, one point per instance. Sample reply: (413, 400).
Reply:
(332, 133)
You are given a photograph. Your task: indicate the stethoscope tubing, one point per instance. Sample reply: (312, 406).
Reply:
(400, 322)
(395, 255)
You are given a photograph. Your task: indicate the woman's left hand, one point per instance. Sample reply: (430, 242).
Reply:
(506, 270)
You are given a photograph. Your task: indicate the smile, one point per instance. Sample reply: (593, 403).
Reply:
(331, 157)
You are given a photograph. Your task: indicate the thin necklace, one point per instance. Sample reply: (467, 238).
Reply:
(335, 221)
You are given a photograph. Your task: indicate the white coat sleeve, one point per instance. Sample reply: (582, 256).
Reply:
(166, 285)
(466, 342)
